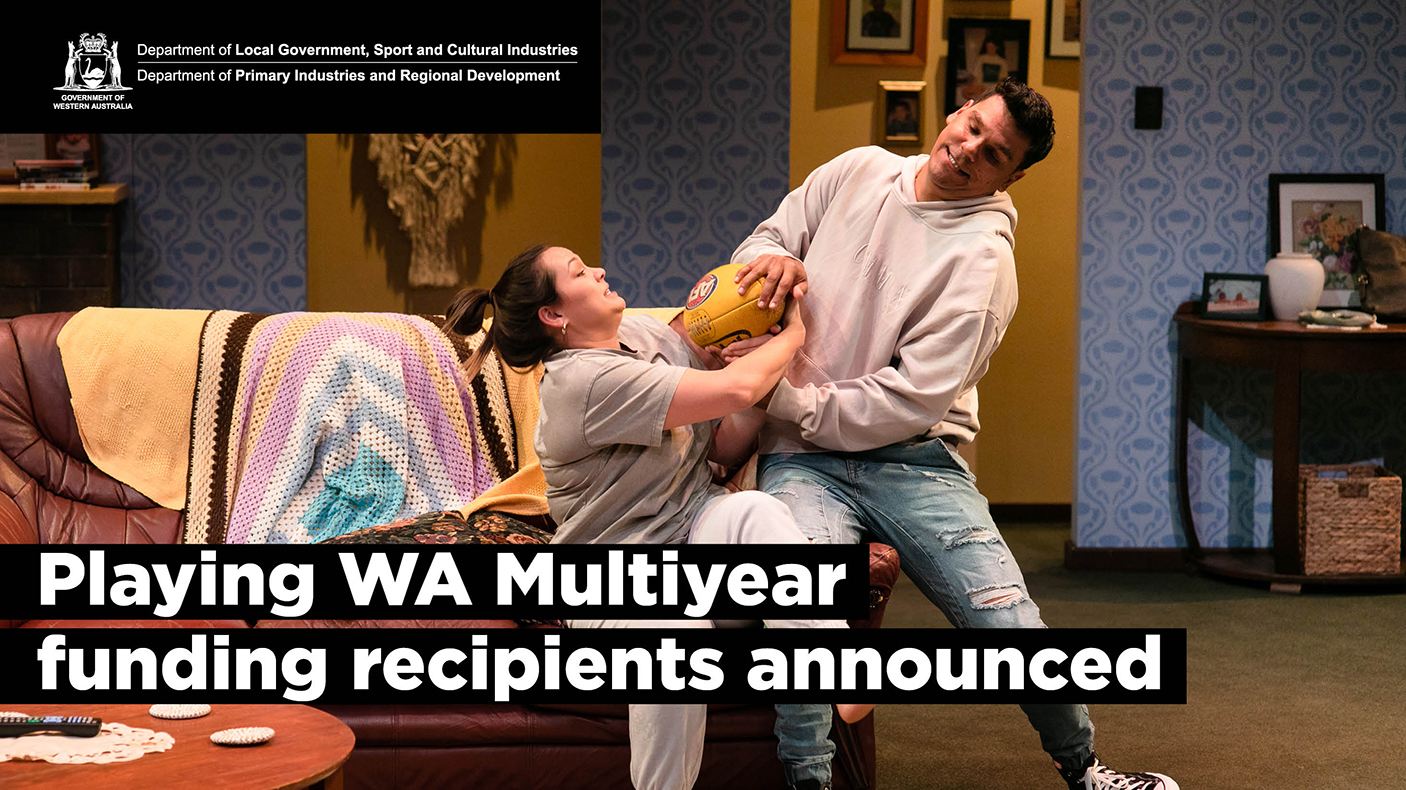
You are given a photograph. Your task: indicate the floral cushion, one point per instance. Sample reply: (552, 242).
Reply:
(449, 527)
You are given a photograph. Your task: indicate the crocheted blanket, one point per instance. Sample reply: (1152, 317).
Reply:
(311, 425)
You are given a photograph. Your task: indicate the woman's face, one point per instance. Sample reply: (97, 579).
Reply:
(584, 298)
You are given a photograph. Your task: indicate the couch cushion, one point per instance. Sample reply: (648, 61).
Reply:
(64, 624)
(469, 724)
(476, 624)
(462, 724)
(449, 527)
(614, 711)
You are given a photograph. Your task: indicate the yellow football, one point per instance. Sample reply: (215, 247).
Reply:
(716, 315)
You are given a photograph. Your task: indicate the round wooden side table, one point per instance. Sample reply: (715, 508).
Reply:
(308, 749)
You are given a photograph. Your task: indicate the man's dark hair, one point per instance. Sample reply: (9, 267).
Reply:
(1032, 115)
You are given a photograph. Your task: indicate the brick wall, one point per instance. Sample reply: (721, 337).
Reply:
(57, 258)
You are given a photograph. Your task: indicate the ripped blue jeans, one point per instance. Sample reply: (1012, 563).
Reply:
(921, 499)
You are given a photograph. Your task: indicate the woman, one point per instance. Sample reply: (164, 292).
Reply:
(630, 417)
(991, 65)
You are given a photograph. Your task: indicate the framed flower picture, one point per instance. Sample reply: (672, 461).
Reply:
(1316, 213)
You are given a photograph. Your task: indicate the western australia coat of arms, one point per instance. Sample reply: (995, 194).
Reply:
(92, 66)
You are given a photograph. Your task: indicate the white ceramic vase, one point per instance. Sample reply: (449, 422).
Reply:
(1295, 284)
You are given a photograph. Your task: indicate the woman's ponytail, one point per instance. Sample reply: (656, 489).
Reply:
(465, 317)
(465, 313)
(517, 333)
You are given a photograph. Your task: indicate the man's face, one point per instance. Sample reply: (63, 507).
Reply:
(977, 153)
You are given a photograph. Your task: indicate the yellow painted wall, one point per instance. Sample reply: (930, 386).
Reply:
(1025, 449)
(530, 189)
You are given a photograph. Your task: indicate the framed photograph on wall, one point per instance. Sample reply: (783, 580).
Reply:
(981, 53)
(879, 32)
(903, 111)
(1235, 297)
(1062, 28)
(1316, 213)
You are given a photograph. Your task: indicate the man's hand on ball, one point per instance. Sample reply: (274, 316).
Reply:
(784, 275)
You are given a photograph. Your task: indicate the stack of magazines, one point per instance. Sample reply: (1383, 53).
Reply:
(55, 174)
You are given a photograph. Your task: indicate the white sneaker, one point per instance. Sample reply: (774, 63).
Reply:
(1100, 777)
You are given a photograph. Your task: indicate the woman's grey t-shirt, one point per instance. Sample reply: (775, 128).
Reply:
(614, 475)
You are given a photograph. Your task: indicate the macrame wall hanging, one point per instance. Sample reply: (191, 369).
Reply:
(429, 178)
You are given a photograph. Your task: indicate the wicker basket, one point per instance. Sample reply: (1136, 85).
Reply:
(1351, 523)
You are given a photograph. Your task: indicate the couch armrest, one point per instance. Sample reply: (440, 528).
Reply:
(883, 573)
(14, 527)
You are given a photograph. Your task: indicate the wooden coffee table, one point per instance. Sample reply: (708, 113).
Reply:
(307, 750)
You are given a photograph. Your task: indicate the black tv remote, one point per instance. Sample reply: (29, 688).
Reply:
(84, 726)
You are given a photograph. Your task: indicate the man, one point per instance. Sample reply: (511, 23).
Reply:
(879, 23)
(862, 433)
(901, 123)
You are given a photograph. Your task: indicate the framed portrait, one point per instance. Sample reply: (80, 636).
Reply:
(1062, 28)
(903, 111)
(1235, 297)
(74, 146)
(879, 32)
(981, 53)
(1317, 213)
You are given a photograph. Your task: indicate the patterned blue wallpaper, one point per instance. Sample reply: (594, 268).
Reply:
(1253, 87)
(214, 221)
(694, 136)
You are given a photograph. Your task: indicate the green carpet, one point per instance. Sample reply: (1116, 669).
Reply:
(1283, 691)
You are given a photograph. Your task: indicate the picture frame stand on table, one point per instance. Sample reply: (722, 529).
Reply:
(1229, 296)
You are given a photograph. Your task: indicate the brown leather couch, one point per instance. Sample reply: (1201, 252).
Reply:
(50, 493)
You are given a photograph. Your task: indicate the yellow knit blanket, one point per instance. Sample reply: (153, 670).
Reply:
(131, 375)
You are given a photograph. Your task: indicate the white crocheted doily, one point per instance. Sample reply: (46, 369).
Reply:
(115, 743)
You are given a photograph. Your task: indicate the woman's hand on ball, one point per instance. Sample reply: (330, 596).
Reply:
(784, 275)
(738, 349)
(791, 325)
(791, 322)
